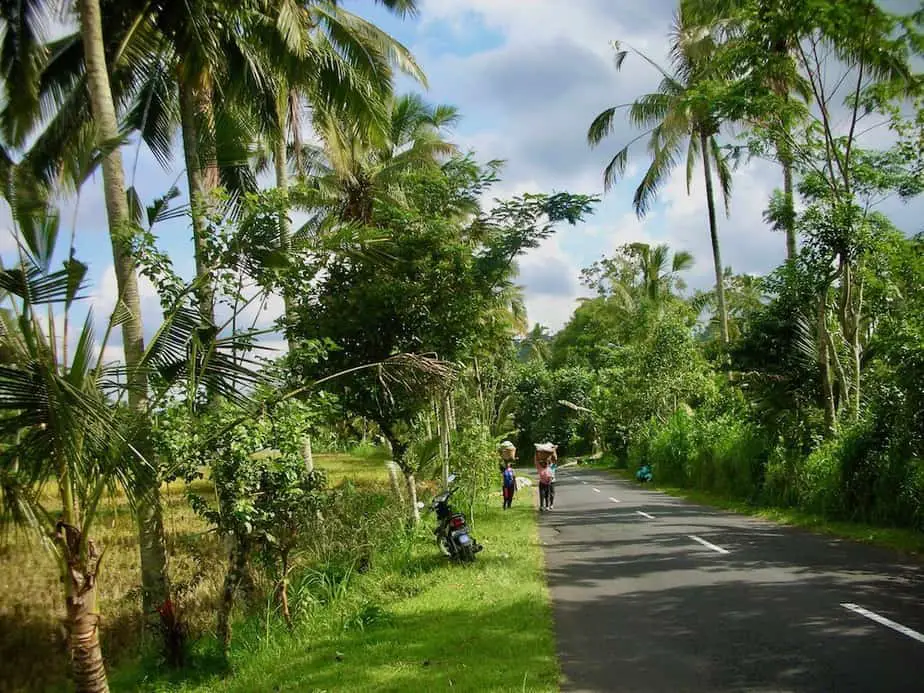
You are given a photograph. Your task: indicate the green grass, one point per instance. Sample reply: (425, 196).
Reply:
(341, 466)
(413, 622)
(900, 539)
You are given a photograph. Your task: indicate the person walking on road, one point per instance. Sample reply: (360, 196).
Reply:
(545, 457)
(510, 485)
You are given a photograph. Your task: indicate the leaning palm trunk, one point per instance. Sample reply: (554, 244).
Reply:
(201, 174)
(81, 559)
(155, 586)
(714, 235)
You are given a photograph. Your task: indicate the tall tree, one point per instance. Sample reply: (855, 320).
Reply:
(840, 181)
(155, 586)
(675, 117)
(780, 76)
(362, 92)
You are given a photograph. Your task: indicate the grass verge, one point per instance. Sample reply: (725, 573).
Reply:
(900, 539)
(413, 622)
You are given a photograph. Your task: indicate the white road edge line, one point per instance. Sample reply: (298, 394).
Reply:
(639, 512)
(596, 490)
(717, 549)
(882, 620)
(613, 499)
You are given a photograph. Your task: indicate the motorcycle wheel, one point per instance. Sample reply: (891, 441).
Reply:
(467, 554)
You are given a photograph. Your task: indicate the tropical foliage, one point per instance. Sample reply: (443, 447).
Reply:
(394, 289)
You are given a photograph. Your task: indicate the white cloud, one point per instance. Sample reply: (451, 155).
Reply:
(549, 278)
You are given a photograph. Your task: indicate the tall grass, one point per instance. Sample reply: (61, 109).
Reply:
(867, 473)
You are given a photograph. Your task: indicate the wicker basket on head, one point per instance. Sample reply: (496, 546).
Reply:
(507, 451)
(546, 452)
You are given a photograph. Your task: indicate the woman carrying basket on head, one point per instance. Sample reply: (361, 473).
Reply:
(546, 461)
(508, 454)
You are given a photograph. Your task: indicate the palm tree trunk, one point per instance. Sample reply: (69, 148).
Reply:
(235, 581)
(297, 139)
(790, 227)
(412, 492)
(80, 564)
(714, 235)
(784, 155)
(285, 232)
(195, 110)
(154, 582)
(824, 365)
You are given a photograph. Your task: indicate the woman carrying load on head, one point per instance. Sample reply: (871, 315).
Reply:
(546, 461)
(508, 454)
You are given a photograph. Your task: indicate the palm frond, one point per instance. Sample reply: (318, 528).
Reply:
(664, 158)
(602, 126)
(692, 154)
(683, 260)
(724, 172)
(35, 286)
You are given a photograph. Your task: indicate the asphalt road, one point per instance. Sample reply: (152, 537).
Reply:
(651, 593)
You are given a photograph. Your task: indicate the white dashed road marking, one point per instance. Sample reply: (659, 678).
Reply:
(596, 490)
(717, 549)
(645, 515)
(882, 620)
(613, 499)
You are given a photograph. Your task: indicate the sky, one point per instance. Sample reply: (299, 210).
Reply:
(528, 77)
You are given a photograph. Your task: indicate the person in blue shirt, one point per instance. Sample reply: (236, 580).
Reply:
(510, 485)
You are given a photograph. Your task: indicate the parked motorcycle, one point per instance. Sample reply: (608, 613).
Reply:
(452, 535)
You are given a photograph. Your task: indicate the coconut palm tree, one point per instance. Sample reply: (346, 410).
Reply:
(63, 425)
(659, 269)
(356, 166)
(153, 66)
(362, 91)
(781, 77)
(675, 118)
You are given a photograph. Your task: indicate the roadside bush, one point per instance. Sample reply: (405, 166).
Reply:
(473, 458)
(671, 448)
(731, 455)
(867, 473)
(819, 480)
(725, 454)
(781, 477)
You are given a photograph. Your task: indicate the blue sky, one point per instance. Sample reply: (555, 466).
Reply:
(528, 77)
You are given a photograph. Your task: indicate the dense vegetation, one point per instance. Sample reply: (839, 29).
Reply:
(194, 538)
(801, 388)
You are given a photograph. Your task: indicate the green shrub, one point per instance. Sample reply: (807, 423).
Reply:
(731, 456)
(781, 477)
(671, 448)
(726, 454)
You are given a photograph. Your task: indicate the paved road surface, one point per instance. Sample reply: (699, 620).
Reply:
(654, 594)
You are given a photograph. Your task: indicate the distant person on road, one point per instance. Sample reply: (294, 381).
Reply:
(545, 458)
(510, 485)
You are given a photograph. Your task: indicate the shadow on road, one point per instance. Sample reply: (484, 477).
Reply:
(639, 606)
